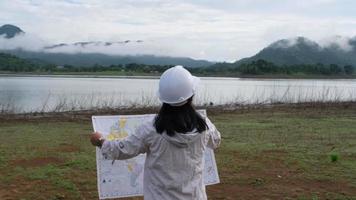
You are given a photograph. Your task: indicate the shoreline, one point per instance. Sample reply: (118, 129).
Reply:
(85, 115)
(156, 76)
(78, 76)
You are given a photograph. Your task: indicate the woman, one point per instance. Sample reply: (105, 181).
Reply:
(174, 142)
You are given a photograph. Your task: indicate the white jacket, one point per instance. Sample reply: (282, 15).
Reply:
(174, 165)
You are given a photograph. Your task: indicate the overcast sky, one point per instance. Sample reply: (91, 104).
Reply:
(217, 30)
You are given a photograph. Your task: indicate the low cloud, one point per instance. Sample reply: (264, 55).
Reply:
(333, 42)
(24, 41)
(290, 42)
(341, 42)
(158, 47)
(127, 47)
(285, 43)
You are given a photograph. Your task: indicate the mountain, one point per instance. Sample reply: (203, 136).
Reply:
(10, 31)
(90, 59)
(301, 50)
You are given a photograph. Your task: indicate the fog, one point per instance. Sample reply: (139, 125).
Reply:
(341, 42)
(159, 47)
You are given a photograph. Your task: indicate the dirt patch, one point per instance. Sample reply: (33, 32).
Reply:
(22, 188)
(68, 148)
(5, 194)
(36, 162)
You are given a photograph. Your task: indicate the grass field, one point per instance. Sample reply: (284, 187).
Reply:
(265, 154)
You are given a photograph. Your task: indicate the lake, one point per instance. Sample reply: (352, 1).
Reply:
(60, 93)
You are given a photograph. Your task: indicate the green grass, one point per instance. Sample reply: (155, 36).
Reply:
(271, 154)
(297, 144)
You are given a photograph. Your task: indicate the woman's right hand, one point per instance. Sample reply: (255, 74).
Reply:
(97, 139)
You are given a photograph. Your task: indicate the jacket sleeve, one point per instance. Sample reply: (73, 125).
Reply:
(213, 135)
(128, 147)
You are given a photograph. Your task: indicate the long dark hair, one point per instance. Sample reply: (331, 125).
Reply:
(179, 119)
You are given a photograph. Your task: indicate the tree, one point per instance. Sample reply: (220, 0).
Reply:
(349, 69)
(335, 69)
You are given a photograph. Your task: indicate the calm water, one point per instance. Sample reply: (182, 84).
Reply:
(25, 94)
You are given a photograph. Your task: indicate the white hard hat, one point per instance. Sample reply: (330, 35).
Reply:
(176, 86)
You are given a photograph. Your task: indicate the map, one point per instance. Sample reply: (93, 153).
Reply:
(124, 178)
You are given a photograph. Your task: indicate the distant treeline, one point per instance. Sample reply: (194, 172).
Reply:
(133, 67)
(260, 67)
(12, 63)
